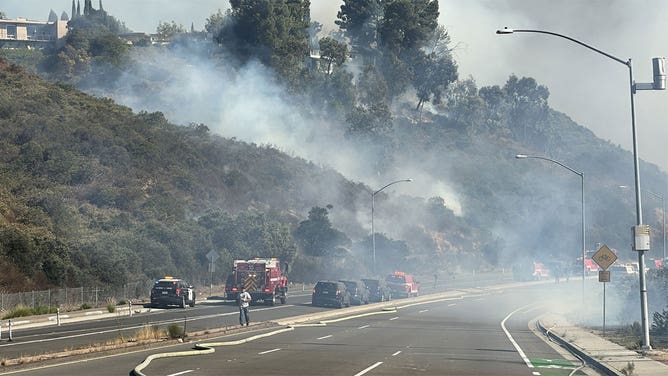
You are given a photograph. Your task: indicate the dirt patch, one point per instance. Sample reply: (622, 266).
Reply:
(626, 337)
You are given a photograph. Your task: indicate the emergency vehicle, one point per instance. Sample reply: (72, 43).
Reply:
(402, 285)
(172, 291)
(262, 279)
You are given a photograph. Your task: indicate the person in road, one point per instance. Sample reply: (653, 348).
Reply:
(244, 302)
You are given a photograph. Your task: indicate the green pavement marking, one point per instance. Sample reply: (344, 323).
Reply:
(552, 363)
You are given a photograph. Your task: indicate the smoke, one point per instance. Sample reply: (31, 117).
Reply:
(589, 87)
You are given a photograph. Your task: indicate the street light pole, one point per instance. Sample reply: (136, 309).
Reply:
(373, 231)
(582, 185)
(658, 84)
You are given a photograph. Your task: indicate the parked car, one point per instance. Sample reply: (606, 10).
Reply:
(378, 290)
(172, 291)
(330, 293)
(359, 294)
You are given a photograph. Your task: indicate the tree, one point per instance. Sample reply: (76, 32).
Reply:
(407, 24)
(464, 105)
(215, 24)
(53, 17)
(166, 30)
(2, 15)
(272, 31)
(64, 16)
(333, 52)
(431, 77)
(528, 105)
(317, 237)
(392, 254)
(359, 20)
(496, 108)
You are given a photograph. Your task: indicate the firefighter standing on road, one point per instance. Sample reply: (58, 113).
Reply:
(244, 302)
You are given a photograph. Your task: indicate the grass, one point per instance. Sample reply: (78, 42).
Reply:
(23, 311)
(149, 332)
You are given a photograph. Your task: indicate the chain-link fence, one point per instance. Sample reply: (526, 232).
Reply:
(76, 297)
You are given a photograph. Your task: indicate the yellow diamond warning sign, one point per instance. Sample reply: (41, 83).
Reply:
(604, 257)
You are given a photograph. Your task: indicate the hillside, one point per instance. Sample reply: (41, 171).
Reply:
(93, 192)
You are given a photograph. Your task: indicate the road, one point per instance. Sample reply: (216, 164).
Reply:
(207, 315)
(474, 333)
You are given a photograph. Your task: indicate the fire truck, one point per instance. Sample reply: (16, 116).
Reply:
(262, 279)
(402, 285)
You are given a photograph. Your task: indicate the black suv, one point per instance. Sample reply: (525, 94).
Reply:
(358, 292)
(172, 291)
(378, 290)
(330, 293)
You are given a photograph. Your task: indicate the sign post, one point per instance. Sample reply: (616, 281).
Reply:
(604, 257)
(212, 256)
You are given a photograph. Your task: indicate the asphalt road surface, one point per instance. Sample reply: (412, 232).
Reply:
(477, 333)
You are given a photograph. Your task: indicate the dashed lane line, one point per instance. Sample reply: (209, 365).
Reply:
(207, 348)
(181, 373)
(268, 351)
(362, 372)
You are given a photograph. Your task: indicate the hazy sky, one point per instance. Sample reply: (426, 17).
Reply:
(592, 89)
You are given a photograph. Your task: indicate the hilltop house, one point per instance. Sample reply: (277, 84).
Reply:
(20, 32)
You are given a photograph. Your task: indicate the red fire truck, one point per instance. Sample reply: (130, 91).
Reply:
(262, 278)
(402, 285)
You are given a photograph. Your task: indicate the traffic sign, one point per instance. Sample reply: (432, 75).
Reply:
(604, 276)
(212, 256)
(604, 257)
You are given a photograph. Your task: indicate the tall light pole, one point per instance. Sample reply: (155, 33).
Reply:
(373, 231)
(582, 185)
(663, 213)
(641, 233)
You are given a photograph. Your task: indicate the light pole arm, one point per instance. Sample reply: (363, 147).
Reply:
(373, 230)
(394, 182)
(511, 31)
(524, 156)
(582, 185)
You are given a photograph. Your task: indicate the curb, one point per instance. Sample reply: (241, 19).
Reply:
(586, 358)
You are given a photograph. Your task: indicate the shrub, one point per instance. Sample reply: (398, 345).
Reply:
(85, 306)
(175, 331)
(660, 324)
(111, 307)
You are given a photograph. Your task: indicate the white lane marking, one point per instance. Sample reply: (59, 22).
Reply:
(362, 372)
(394, 318)
(324, 337)
(512, 340)
(535, 373)
(397, 353)
(423, 311)
(268, 351)
(363, 327)
(181, 373)
(452, 304)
